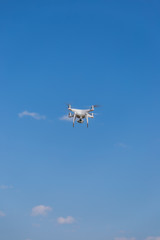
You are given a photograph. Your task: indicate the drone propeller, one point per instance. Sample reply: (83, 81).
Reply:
(68, 105)
(94, 106)
(97, 105)
(94, 114)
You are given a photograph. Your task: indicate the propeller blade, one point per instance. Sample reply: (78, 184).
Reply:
(68, 105)
(97, 105)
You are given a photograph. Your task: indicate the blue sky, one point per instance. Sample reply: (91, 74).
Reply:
(59, 182)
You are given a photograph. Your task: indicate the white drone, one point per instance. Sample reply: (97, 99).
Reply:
(81, 113)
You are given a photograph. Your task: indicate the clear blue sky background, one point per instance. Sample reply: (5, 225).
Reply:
(107, 176)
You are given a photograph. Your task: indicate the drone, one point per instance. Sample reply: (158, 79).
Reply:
(80, 114)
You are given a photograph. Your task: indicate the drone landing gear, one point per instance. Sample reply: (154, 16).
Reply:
(74, 118)
(87, 120)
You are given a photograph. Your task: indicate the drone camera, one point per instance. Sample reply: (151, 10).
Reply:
(80, 120)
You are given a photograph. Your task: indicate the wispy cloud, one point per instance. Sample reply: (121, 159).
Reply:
(2, 214)
(124, 238)
(34, 115)
(153, 238)
(65, 118)
(121, 144)
(5, 187)
(40, 210)
(67, 220)
(133, 238)
(35, 224)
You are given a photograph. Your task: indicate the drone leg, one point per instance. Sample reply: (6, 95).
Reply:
(87, 120)
(74, 119)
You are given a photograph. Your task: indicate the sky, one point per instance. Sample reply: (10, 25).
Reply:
(65, 183)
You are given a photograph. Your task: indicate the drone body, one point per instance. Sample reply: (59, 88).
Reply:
(81, 114)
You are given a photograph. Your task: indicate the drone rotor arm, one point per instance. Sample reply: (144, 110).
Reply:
(90, 115)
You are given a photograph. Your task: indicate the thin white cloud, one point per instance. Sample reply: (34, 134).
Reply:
(35, 225)
(2, 214)
(124, 238)
(132, 238)
(40, 210)
(153, 238)
(5, 187)
(34, 115)
(121, 144)
(67, 220)
(65, 118)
